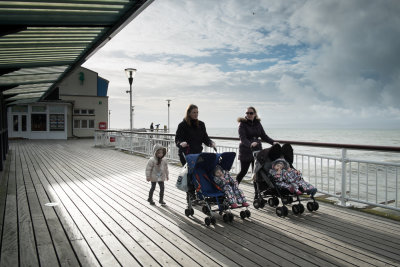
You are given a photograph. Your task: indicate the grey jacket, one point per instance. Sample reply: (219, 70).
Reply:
(157, 172)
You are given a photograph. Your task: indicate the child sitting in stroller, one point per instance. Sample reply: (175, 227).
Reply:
(290, 179)
(230, 186)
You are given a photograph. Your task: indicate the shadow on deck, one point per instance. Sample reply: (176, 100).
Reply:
(68, 203)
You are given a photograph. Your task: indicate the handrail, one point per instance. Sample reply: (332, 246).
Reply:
(344, 178)
(299, 143)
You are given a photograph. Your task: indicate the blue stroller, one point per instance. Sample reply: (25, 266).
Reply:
(200, 174)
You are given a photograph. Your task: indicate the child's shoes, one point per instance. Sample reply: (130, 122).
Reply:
(245, 204)
(234, 206)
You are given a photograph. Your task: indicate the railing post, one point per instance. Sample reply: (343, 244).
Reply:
(343, 193)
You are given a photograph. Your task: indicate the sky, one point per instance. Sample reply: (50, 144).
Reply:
(300, 63)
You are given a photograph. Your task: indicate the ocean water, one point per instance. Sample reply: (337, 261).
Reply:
(379, 137)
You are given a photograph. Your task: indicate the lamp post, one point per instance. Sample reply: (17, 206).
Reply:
(109, 118)
(130, 73)
(168, 100)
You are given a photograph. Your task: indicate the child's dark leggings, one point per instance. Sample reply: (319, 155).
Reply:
(244, 167)
(153, 187)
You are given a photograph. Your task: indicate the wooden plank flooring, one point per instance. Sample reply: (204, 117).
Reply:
(101, 217)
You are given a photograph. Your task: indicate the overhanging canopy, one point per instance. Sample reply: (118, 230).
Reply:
(42, 41)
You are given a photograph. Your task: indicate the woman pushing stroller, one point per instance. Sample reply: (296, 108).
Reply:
(250, 129)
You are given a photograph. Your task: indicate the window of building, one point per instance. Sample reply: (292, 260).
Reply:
(38, 108)
(84, 124)
(77, 124)
(84, 111)
(91, 124)
(77, 111)
(56, 109)
(15, 123)
(91, 111)
(56, 122)
(23, 123)
(22, 109)
(38, 122)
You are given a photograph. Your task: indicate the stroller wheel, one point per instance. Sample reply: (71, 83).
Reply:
(276, 201)
(204, 209)
(310, 206)
(207, 221)
(248, 213)
(296, 209)
(301, 206)
(271, 202)
(263, 202)
(256, 204)
(315, 206)
(279, 211)
(285, 211)
(213, 220)
(243, 214)
(225, 217)
(191, 211)
(187, 212)
(230, 217)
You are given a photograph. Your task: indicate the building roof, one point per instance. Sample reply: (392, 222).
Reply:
(41, 42)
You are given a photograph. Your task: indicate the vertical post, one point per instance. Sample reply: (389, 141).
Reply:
(168, 100)
(109, 118)
(130, 103)
(343, 193)
(130, 73)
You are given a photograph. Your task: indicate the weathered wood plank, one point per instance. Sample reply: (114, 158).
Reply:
(100, 250)
(103, 211)
(9, 244)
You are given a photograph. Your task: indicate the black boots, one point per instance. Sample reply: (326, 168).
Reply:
(150, 200)
(162, 198)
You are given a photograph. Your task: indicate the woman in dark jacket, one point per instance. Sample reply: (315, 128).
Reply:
(191, 134)
(250, 129)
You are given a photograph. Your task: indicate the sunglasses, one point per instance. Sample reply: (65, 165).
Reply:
(249, 113)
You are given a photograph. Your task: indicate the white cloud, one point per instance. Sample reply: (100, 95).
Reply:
(298, 62)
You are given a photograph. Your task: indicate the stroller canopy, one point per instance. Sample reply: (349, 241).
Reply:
(225, 160)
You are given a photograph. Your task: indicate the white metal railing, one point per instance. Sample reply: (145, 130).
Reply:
(346, 178)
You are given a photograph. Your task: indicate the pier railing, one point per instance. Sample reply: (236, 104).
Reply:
(349, 176)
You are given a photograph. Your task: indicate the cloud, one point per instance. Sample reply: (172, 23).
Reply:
(298, 62)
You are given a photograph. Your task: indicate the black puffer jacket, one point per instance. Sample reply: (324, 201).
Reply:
(194, 135)
(249, 132)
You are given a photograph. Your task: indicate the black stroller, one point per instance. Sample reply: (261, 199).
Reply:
(267, 191)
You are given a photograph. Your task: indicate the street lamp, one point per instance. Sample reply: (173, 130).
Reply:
(168, 100)
(109, 118)
(130, 73)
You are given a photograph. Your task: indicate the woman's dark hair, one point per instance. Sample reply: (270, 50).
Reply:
(187, 117)
(255, 112)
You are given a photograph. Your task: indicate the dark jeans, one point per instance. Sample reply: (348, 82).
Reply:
(153, 187)
(244, 167)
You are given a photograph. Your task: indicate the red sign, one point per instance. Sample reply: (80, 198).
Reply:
(102, 125)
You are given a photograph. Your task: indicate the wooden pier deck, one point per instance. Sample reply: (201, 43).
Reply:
(101, 217)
